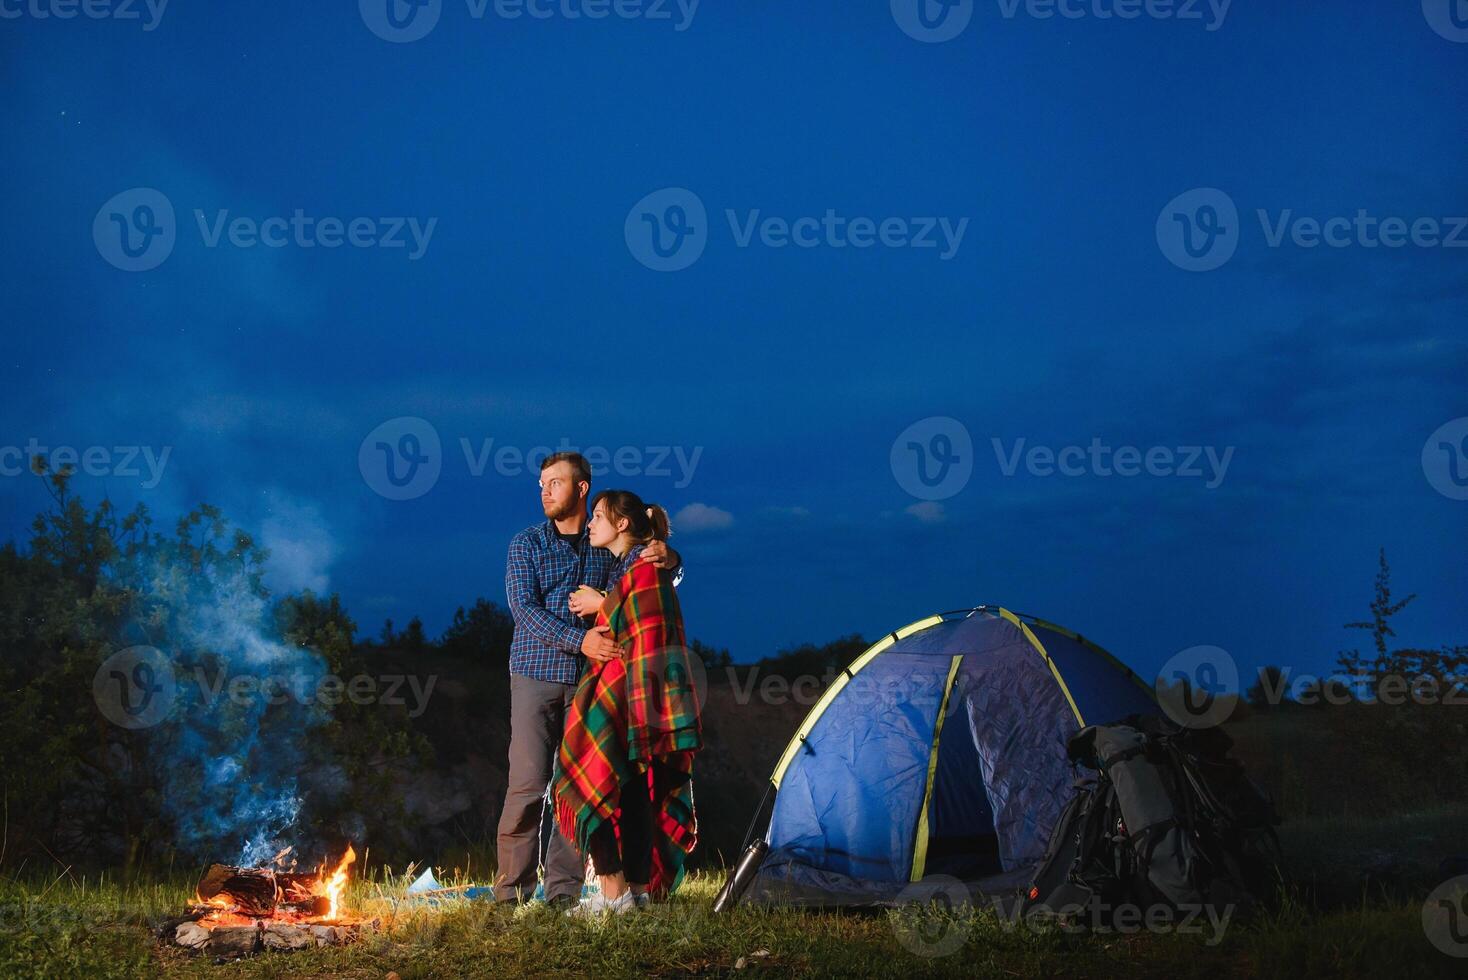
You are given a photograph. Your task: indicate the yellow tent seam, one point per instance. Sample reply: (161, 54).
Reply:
(836, 686)
(920, 845)
(1054, 671)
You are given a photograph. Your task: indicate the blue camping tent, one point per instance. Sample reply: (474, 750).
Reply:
(939, 754)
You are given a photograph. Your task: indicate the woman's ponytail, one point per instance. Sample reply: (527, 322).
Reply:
(658, 518)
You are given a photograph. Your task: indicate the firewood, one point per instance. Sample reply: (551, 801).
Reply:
(254, 891)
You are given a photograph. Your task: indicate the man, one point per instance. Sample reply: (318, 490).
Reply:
(547, 562)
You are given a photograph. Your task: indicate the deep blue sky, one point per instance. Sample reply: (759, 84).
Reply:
(527, 319)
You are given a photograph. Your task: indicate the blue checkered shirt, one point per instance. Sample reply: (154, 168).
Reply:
(541, 573)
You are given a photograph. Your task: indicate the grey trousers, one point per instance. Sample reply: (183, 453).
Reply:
(537, 721)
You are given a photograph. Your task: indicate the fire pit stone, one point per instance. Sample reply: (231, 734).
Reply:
(282, 935)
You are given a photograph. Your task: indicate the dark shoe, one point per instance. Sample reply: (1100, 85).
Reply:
(561, 901)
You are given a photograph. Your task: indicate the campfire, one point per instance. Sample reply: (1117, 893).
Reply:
(238, 911)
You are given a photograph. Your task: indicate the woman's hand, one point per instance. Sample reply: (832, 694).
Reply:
(585, 601)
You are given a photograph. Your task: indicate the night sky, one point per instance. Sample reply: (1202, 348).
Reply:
(1007, 236)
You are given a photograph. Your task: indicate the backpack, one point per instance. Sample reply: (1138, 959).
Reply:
(1167, 819)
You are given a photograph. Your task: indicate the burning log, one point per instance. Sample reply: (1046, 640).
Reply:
(241, 911)
(262, 891)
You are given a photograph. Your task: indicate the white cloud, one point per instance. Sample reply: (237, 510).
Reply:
(300, 545)
(929, 512)
(701, 517)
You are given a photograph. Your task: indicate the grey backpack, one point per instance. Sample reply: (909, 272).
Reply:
(1168, 819)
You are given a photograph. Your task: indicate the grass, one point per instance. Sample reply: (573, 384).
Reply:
(75, 927)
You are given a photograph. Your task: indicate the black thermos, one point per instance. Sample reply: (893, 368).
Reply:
(741, 877)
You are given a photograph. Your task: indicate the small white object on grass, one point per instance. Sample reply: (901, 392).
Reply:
(425, 883)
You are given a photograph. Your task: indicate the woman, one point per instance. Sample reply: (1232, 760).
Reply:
(623, 777)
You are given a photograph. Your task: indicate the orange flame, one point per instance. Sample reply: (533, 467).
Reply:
(334, 888)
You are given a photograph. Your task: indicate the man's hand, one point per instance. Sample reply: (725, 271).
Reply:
(598, 646)
(662, 556)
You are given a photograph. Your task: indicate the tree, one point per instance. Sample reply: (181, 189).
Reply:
(1382, 611)
(482, 633)
(712, 658)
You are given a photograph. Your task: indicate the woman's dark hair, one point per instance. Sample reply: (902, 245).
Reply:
(645, 522)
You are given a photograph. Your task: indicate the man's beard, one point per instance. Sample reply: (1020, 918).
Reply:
(560, 514)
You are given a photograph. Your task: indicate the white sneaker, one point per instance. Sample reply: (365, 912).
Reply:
(597, 905)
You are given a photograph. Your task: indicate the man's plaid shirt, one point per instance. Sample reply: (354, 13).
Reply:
(541, 573)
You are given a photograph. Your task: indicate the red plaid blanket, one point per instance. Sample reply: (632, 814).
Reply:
(628, 714)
